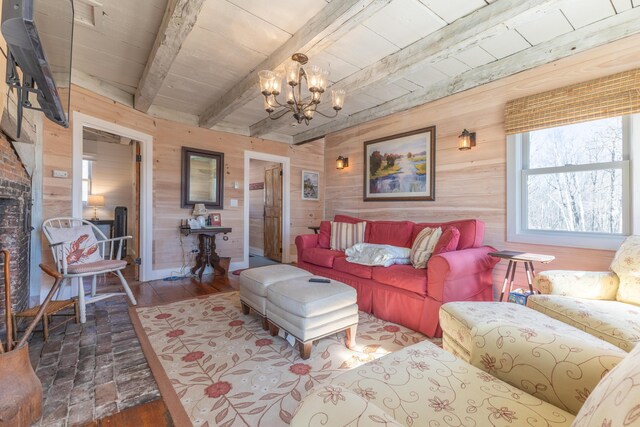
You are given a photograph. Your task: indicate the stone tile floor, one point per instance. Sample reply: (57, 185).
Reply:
(93, 370)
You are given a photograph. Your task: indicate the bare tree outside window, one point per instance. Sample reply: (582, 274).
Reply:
(573, 177)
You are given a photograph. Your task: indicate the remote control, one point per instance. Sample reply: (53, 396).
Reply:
(319, 280)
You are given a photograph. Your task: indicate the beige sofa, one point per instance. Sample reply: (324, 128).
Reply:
(605, 304)
(423, 385)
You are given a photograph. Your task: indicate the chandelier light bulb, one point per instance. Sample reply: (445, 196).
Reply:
(277, 82)
(313, 74)
(337, 98)
(267, 79)
(324, 80)
(292, 70)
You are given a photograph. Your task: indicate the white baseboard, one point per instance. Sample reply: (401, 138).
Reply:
(167, 272)
(256, 251)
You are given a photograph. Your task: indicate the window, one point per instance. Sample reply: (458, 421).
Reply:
(86, 179)
(572, 185)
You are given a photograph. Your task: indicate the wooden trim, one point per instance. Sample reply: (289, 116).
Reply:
(179, 19)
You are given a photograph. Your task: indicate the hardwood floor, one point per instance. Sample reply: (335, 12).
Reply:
(158, 292)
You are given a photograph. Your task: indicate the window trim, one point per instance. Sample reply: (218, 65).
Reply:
(516, 232)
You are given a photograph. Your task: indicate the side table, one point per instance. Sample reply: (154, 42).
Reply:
(207, 254)
(514, 257)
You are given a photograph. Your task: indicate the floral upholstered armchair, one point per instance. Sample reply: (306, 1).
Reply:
(603, 303)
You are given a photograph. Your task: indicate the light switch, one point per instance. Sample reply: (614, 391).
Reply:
(60, 174)
(234, 203)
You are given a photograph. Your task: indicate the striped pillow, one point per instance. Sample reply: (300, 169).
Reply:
(345, 235)
(423, 246)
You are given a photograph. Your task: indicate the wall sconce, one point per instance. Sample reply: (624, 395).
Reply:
(342, 162)
(466, 140)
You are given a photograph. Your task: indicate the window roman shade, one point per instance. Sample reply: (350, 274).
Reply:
(610, 96)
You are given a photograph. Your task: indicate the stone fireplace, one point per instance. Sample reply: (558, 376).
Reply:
(15, 227)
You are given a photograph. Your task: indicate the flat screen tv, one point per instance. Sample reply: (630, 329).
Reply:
(39, 36)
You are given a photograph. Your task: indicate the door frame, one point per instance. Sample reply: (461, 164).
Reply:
(80, 121)
(286, 201)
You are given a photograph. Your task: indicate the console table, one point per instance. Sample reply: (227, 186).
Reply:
(207, 254)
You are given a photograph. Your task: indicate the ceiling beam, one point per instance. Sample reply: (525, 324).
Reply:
(597, 34)
(179, 19)
(334, 21)
(470, 30)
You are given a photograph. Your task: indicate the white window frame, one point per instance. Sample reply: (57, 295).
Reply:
(88, 180)
(516, 191)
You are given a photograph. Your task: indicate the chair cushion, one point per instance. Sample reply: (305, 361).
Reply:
(395, 233)
(626, 264)
(612, 321)
(344, 234)
(403, 277)
(320, 256)
(358, 270)
(423, 246)
(448, 241)
(83, 249)
(96, 267)
(615, 401)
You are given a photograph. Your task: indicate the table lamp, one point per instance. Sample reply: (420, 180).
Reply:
(95, 201)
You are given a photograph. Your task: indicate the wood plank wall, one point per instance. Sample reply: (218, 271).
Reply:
(169, 137)
(470, 184)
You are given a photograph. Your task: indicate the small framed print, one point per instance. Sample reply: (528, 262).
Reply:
(310, 185)
(216, 219)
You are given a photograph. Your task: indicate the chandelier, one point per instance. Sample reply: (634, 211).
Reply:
(303, 109)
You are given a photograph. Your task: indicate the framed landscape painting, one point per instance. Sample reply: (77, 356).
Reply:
(401, 167)
(310, 185)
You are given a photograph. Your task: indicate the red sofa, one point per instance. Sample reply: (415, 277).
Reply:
(400, 293)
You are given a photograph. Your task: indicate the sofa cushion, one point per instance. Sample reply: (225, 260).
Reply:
(626, 264)
(324, 236)
(359, 270)
(471, 231)
(320, 256)
(423, 246)
(614, 402)
(403, 277)
(612, 321)
(394, 233)
(448, 241)
(344, 234)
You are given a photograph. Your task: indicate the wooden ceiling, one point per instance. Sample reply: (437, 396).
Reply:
(198, 59)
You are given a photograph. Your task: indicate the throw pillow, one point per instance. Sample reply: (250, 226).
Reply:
(83, 248)
(345, 235)
(324, 236)
(423, 246)
(448, 241)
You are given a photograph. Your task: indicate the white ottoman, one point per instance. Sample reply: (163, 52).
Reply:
(310, 311)
(255, 281)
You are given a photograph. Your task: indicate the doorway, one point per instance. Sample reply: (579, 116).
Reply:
(267, 211)
(144, 175)
(111, 188)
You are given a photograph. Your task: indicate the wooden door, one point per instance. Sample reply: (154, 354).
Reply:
(273, 213)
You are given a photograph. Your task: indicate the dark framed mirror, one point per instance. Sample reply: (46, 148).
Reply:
(202, 178)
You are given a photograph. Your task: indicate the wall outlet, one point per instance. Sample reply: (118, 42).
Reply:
(60, 174)
(233, 203)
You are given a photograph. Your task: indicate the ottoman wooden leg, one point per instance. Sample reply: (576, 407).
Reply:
(351, 336)
(305, 349)
(265, 323)
(245, 308)
(273, 329)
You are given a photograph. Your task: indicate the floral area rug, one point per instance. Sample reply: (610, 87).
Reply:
(217, 367)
